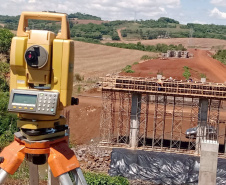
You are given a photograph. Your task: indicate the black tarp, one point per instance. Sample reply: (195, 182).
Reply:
(160, 167)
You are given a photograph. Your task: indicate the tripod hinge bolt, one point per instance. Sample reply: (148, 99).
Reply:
(1, 159)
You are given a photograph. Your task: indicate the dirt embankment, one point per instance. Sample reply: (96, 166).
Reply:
(85, 118)
(202, 62)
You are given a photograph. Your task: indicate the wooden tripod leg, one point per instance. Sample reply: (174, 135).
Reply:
(62, 159)
(13, 157)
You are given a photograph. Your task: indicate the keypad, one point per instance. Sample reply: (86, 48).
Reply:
(47, 103)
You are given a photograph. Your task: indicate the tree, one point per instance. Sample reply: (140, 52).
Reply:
(115, 37)
(5, 40)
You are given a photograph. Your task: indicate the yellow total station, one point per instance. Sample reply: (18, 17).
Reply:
(41, 76)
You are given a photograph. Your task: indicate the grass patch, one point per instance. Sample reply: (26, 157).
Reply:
(147, 57)
(78, 77)
(128, 69)
(202, 75)
(186, 73)
(102, 179)
(135, 63)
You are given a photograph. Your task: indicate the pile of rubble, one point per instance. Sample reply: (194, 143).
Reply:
(93, 158)
(97, 159)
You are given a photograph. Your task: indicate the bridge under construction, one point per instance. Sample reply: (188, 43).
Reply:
(150, 114)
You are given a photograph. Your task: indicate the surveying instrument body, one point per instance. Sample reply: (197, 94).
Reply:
(41, 81)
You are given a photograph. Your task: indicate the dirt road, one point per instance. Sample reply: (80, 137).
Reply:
(119, 33)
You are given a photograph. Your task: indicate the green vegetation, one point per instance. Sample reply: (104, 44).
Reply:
(7, 120)
(83, 16)
(143, 29)
(152, 48)
(128, 69)
(221, 56)
(93, 31)
(5, 40)
(186, 73)
(135, 63)
(202, 75)
(103, 179)
(88, 40)
(147, 57)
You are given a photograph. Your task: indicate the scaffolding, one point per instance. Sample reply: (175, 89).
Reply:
(124, 117)
(143, 112)
(177, 120)
(175, 100)
(159, 121)
(108, 118)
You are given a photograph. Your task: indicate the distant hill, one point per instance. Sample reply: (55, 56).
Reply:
(83, 16)
(89, 28)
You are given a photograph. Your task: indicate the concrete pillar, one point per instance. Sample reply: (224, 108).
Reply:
(202, 122)
(203, 110)
(208, 162)
(135, 119)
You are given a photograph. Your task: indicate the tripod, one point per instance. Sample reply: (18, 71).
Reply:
(55, 151)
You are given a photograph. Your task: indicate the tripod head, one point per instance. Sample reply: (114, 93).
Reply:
(41, 71)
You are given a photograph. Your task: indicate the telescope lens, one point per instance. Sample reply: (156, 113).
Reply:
(30, 56)
(36, 56)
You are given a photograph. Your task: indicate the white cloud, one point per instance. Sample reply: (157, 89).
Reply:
(218, 14)
(106, 9)
(31, 1)
(218, 2)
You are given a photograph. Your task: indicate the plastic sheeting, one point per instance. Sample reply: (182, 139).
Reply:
(159, 167)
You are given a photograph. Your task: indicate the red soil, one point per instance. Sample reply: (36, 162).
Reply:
(202, 62)
(85, 118)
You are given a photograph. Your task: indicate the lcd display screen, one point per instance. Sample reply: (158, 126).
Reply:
(24, 99)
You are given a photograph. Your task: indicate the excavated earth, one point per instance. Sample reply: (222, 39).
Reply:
(84, 119)
(90, 61)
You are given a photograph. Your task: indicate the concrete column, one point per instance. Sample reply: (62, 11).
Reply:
(202, 122)
(208, 162)
(135, 119)
(203, 110)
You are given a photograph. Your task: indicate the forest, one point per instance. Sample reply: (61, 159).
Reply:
(139, 29)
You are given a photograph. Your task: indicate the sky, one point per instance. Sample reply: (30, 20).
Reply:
(184, 11)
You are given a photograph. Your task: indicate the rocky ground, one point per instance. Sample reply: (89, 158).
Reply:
(97, 159)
